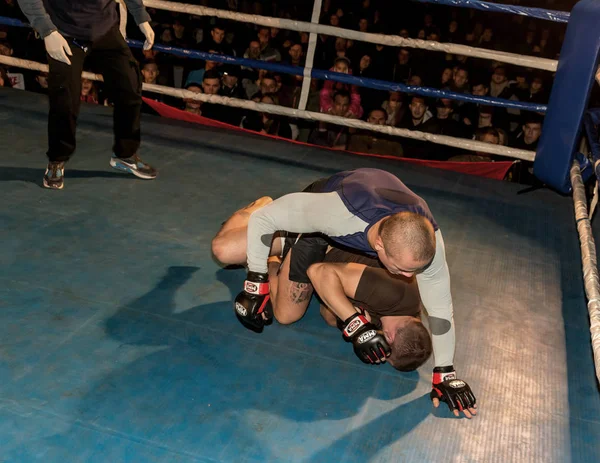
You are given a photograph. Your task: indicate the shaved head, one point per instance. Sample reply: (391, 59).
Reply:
(408, 232)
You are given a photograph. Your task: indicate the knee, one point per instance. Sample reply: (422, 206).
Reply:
(129, 91)
(285, 317)
(313, 271)
(220, 249)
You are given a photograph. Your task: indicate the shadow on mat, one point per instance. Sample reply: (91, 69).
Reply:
(212, 390)
(33, 175)
(365, 442)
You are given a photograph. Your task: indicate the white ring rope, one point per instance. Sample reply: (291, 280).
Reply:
(588, 260)
(391, 40)
(470, 145)
(463, 143)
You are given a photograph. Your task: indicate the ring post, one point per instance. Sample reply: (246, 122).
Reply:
(569, 98)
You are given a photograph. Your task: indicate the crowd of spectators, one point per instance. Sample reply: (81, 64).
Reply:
(410, 66)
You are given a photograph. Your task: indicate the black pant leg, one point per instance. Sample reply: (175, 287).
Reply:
(123, 83)
(64, 94)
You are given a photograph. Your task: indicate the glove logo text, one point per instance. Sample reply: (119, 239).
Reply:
(239, 308)
(456, 383)
(366, 336)
(250, 287)
(353, 326)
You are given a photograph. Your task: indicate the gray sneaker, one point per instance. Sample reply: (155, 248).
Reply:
(134, 165)
(54, 176)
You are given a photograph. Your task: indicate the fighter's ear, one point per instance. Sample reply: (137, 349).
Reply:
(379, 244)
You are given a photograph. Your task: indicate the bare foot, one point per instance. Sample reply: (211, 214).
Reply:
(256, 205)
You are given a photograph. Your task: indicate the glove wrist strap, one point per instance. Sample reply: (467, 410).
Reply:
(257, 284)
(353, 324)
(257, 277)
(446, 369)
(448, 373)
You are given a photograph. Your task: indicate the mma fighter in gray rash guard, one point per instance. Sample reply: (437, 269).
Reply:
(371, 211)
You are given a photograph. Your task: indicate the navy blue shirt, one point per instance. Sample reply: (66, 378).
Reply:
(372, 194)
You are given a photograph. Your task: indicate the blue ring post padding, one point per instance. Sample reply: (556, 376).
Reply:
(569, 97)
(328, 75)
(540, 13)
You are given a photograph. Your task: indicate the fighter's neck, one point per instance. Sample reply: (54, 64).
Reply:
(373, 233)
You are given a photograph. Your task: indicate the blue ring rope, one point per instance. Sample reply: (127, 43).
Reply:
(347, 79)
(328, 75)
(13, 22)
(539, 13)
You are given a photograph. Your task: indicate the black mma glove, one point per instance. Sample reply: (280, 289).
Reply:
(253, 301)
(369, 343)
(449, 389)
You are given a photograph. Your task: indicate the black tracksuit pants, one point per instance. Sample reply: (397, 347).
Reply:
(122, 80)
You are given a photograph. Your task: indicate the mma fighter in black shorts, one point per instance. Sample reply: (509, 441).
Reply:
(391, 304)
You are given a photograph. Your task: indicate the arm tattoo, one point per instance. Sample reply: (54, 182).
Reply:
(300, 292)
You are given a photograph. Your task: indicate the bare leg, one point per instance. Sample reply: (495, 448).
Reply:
(229, 245)
(289, 298)
(328, 316)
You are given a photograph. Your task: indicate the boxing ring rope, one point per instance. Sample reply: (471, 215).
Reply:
(469, 145)
(390, 40)
(330, 75)
(466, 144)
(588, 260)
(376, 84)
(539, 13)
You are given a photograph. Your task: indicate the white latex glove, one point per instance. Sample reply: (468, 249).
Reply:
(57, 47)
(146, 29)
